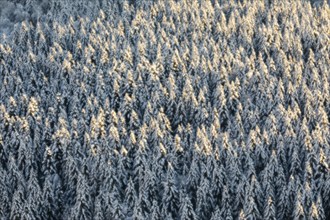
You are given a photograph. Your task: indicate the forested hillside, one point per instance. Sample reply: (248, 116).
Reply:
(176, 109)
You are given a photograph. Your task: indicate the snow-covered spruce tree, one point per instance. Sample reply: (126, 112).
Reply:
(157, 109)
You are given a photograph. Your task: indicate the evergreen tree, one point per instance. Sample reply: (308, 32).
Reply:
(186, 208)
(124, 110)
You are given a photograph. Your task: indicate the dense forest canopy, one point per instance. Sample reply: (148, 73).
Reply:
(178, 109)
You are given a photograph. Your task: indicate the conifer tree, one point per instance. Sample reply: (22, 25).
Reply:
(124, 110)
(186, 208)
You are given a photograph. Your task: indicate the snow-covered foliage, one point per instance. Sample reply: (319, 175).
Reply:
(14, 12)
(178, 109)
